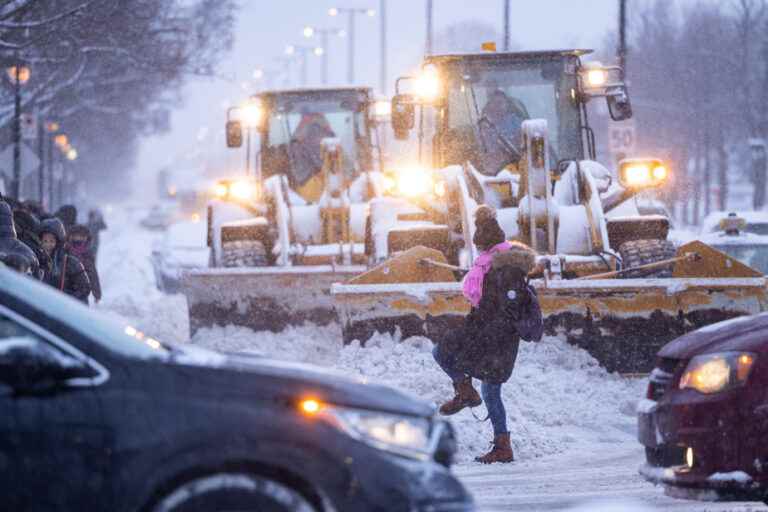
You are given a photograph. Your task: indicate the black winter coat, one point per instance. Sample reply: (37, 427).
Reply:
(9, 242)
(74, 281)
(486, 346)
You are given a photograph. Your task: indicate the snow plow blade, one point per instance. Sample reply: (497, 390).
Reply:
(263, 298)
(621, 322)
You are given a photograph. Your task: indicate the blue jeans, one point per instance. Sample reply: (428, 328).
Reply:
(491, 392)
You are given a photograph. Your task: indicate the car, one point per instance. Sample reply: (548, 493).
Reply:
(99, 416)
(704, 420)
(159, 217)
(181, 248)
(756, 221)
(741, 240)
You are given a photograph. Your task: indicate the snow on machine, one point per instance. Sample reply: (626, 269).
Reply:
(511, 130)
(278, 240)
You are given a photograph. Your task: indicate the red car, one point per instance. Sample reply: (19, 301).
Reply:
(704, 421)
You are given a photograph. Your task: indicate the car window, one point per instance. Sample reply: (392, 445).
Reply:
(755, 256)
(13, 335)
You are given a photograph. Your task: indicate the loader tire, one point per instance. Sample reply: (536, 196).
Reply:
(243, 253)
(642, 252)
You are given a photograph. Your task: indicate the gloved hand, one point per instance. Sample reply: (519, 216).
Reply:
(516, 302)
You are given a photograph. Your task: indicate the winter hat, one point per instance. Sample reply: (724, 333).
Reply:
(80, 229)
(67, 214)
(488, 233)
(55, 227)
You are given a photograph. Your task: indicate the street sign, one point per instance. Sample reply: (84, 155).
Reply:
(28, 126)
(29, 160)
(622, 138)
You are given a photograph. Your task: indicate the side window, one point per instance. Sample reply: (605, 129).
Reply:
(13, 335)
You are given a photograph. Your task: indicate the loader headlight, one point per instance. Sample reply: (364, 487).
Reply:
(220, 190)
(642, 173)
(714, 373)
(242, 190)
(428, 84)
(414, 182)
(404, 435)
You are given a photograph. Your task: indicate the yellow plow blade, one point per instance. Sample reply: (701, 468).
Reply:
(621, 322)
(263, 298)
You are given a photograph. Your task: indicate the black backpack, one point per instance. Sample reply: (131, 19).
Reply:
(519, 303)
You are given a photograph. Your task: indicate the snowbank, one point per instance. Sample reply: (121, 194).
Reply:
(558, 398)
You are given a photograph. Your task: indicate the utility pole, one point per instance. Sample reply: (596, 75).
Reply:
(622, 50)
(16, 189)
(50, 173)
(41, 162)
(506, 26)
(351, 12)
(383, 43)
(428, 49)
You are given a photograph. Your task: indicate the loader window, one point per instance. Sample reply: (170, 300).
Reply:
(752, 255)
(298, 124)
(489, 100)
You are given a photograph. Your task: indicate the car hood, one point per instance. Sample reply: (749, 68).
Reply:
(244, 373)
(740, 333)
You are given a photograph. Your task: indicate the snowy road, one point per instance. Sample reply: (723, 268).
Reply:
(572, 423)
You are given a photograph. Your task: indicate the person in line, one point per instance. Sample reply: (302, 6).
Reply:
(79, 244)
(504, 309)
(27, 226)
(13, 252)
(64, 271)
(96, 224)
(68, 215)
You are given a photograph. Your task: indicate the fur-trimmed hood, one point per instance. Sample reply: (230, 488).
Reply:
(518, 256)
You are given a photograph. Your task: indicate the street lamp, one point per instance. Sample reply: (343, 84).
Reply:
(310, 31)
(302, 51)
(18, 75)
(351, 11)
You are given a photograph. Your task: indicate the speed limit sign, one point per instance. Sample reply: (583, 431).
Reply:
(621, 138)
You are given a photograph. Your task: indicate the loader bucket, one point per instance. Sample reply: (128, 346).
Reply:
(621, 322)
(263, 298)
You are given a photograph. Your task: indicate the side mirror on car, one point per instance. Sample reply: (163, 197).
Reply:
(619, 106)
(28, 365)
(234, 134)
(403, 115)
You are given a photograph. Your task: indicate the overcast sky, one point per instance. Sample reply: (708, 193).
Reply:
(265, 27)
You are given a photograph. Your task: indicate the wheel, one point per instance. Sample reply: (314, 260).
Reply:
(243, 253)
(233, 491)
(642, 252)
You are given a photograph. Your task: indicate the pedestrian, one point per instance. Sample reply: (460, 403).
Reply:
(79, 244)
(504, 309)
(68, 215)
(96, 224)
(13, 250)
(64, 271)
(27, 226)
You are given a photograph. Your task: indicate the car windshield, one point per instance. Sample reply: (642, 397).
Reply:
(112, 335)
(299, 122)
(488, 101)
(752, 255)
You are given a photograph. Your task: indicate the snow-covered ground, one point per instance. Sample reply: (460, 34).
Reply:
(572, 423)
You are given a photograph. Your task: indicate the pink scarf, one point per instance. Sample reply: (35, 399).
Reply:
(473, 281)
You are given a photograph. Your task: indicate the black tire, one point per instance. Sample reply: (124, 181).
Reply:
(233, 491)
(243, 253)
(642, 252)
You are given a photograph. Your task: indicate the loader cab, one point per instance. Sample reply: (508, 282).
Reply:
(294, 125)
(473, 105)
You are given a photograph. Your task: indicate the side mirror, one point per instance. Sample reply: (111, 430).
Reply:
(403, 115)
(619, 106)
(29, 365)
(234, 134)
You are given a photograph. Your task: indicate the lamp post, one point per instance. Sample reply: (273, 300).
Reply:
(61, 140)
(302, 51)
(18, 74)
(351, 12)
(51, 127)
(310, 31)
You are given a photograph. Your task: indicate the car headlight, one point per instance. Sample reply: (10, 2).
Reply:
(416, 182)
(404, 435)
(714, 373)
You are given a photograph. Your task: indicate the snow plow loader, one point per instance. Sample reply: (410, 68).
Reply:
(511, 130)
(278, 240)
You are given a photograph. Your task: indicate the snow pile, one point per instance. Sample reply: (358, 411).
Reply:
(558, 398)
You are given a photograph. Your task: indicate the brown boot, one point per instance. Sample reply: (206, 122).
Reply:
(466, 396)
(501, 452)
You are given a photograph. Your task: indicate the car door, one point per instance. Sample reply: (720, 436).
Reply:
(54, 449)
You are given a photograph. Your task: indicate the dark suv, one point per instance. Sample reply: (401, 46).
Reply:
(99, 417)
(704, 421)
